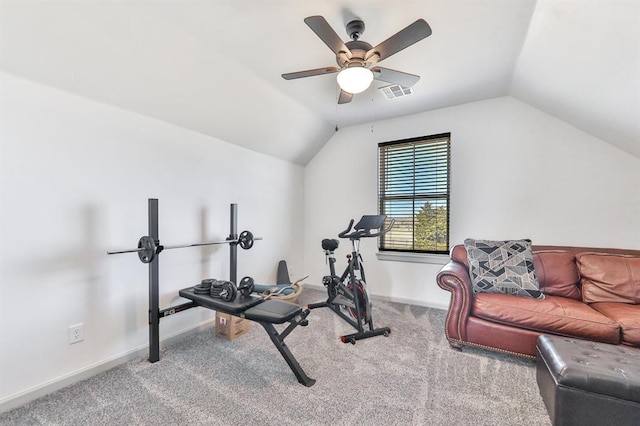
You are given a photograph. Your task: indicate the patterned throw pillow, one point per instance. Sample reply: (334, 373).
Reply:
(502, 267)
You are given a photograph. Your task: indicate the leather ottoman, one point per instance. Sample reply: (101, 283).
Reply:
(588, 383)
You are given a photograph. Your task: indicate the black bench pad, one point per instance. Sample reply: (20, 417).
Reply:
(265, 312)
(273, 311)
(237, 306)
(252, 308)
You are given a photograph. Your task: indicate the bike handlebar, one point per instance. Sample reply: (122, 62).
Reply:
(343, 234)
(385, 230)
(364, 233)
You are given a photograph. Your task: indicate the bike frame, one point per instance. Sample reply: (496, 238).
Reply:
(342, 285)
(355, 263)
(341, 297)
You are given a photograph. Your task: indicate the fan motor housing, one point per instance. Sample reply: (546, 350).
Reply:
(358, 50)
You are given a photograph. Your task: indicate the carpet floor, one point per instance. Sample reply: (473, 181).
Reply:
(411, 377)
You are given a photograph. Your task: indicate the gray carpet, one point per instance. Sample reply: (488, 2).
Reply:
(412, 377)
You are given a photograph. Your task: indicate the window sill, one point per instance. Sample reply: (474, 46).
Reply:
(436, 259)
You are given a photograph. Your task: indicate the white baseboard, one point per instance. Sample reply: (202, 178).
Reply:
(50, 386)
(417, 302)
(408, 301)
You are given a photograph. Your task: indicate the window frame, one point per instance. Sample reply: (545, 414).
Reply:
(382, 198)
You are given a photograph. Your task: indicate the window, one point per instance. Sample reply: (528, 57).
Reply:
(414, 190)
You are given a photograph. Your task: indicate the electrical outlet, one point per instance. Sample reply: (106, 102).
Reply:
(76, 333)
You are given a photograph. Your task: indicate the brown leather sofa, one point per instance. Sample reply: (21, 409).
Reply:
(590, 293)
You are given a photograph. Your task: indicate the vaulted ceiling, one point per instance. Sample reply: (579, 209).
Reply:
(215, 66)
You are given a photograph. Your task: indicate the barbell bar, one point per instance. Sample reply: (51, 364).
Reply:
(147, 247)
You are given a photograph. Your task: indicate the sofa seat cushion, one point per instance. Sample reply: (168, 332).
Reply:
(556, 315)
(628, 316)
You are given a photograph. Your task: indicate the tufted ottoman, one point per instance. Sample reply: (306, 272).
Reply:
(588, 383)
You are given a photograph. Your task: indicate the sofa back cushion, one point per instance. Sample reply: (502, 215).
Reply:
(609, 278)
(556, 270)
(557, 273)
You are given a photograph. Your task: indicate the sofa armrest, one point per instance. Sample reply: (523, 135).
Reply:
(454, 277)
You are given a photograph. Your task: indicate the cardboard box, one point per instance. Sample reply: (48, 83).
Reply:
(230, 327)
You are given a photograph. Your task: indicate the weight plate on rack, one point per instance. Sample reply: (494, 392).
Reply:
(245, 240)
(146, 249)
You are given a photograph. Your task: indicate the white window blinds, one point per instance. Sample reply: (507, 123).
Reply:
(414, 190)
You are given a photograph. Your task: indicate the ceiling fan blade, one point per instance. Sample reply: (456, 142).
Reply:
(345, 97)
(401, 40)
(396, 77)
(321, 27)
(310, 73)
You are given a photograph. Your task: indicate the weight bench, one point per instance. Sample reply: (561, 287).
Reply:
(266, 313)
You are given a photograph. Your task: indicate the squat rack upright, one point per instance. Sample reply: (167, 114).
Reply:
(253, 308)
(148, 250)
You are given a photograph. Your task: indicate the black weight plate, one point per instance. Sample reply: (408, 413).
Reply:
(229, 291)
(245, 240)
(246, 286)
(207, 282)
(148, 252)
(215, 292)
(247, 280)
(217, 284)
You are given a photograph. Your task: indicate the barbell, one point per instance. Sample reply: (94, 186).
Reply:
(148, 248)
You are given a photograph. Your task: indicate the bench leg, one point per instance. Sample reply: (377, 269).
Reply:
(278, 341)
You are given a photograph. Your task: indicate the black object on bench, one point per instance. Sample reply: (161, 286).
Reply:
(266, 313)
(588, 383)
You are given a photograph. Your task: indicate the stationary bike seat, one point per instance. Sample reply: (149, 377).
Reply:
(330, 244)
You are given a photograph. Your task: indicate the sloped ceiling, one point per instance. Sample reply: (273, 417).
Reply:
(581, 62)
(214, 66)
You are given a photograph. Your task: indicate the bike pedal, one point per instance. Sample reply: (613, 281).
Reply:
(304, 323)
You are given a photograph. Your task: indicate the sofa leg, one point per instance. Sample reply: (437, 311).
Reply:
(455, 345)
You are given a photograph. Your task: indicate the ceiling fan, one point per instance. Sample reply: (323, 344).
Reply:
(357, 58)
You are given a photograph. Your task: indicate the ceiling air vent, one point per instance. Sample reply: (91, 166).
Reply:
(395, 91)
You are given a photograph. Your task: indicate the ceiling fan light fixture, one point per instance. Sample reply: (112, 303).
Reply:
(355, 79)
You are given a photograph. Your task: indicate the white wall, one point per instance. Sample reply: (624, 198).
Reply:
(516, 173)
(75, 177)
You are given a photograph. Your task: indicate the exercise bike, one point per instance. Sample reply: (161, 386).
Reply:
(347, 294)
